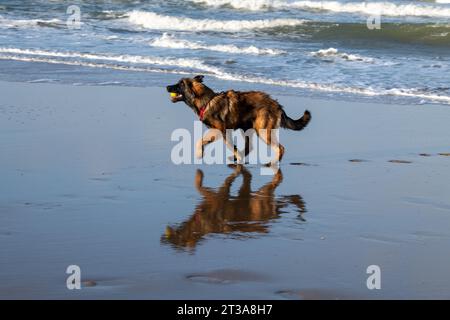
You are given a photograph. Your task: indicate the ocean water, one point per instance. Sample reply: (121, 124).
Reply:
(307, 48)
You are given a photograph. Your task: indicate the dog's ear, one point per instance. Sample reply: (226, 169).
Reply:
(198, 88)
(199, 78)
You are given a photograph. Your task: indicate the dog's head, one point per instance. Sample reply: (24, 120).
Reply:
(187, 89)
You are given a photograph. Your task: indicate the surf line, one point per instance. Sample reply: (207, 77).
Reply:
(188, 310)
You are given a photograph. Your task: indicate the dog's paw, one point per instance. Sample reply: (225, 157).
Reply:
(236, 167)
(199, 153)
(237, 158)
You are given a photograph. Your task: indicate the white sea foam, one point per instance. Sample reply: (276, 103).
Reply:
(24, 23)
(170, 41)
(370, 8)
(135, 64)
(89, 64)
(400, 92)
(239, 4)
(43, 80)
(151, 20)
(334, 53)
(132, 59)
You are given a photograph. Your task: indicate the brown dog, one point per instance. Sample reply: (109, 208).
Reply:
(235, 110)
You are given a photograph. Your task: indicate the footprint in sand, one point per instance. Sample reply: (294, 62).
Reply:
(400, 161)
(313, 294)
(207, 279)
(225, 277)
(103, 282)
(358, 160)
(302, 164)
(88, 283)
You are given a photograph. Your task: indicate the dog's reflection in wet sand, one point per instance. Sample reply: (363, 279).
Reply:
(222, 213)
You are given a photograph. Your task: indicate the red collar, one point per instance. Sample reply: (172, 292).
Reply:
(202, 112)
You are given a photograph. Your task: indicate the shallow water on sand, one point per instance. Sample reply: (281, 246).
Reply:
(87, 180)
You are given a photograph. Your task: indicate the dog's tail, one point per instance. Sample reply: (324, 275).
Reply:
(292, 124)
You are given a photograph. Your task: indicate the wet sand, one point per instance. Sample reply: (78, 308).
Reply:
(87, 180)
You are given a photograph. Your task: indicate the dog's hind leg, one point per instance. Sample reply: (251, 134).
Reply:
(248, 143)
(269, 136)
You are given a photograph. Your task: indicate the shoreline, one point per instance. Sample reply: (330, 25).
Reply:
(312, 90)
(88, 180)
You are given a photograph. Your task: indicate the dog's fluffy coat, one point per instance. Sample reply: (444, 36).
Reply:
(236, 110)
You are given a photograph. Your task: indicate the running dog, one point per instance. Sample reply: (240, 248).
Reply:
(235, 110)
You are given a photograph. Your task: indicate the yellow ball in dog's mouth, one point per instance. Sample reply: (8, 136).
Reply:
(173, 94)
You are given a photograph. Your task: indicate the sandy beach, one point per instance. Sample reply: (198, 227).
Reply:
(87, 180)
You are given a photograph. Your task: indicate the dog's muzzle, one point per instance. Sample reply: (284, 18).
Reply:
(175, 94)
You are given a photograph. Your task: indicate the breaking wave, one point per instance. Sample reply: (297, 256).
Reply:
(151, 20)
(370, 8)
(169, 41)
(334, 53)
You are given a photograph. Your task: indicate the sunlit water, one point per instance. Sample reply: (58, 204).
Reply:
(316, 48)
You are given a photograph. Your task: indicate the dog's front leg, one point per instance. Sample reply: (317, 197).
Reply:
(209, 137)
(236, 157)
